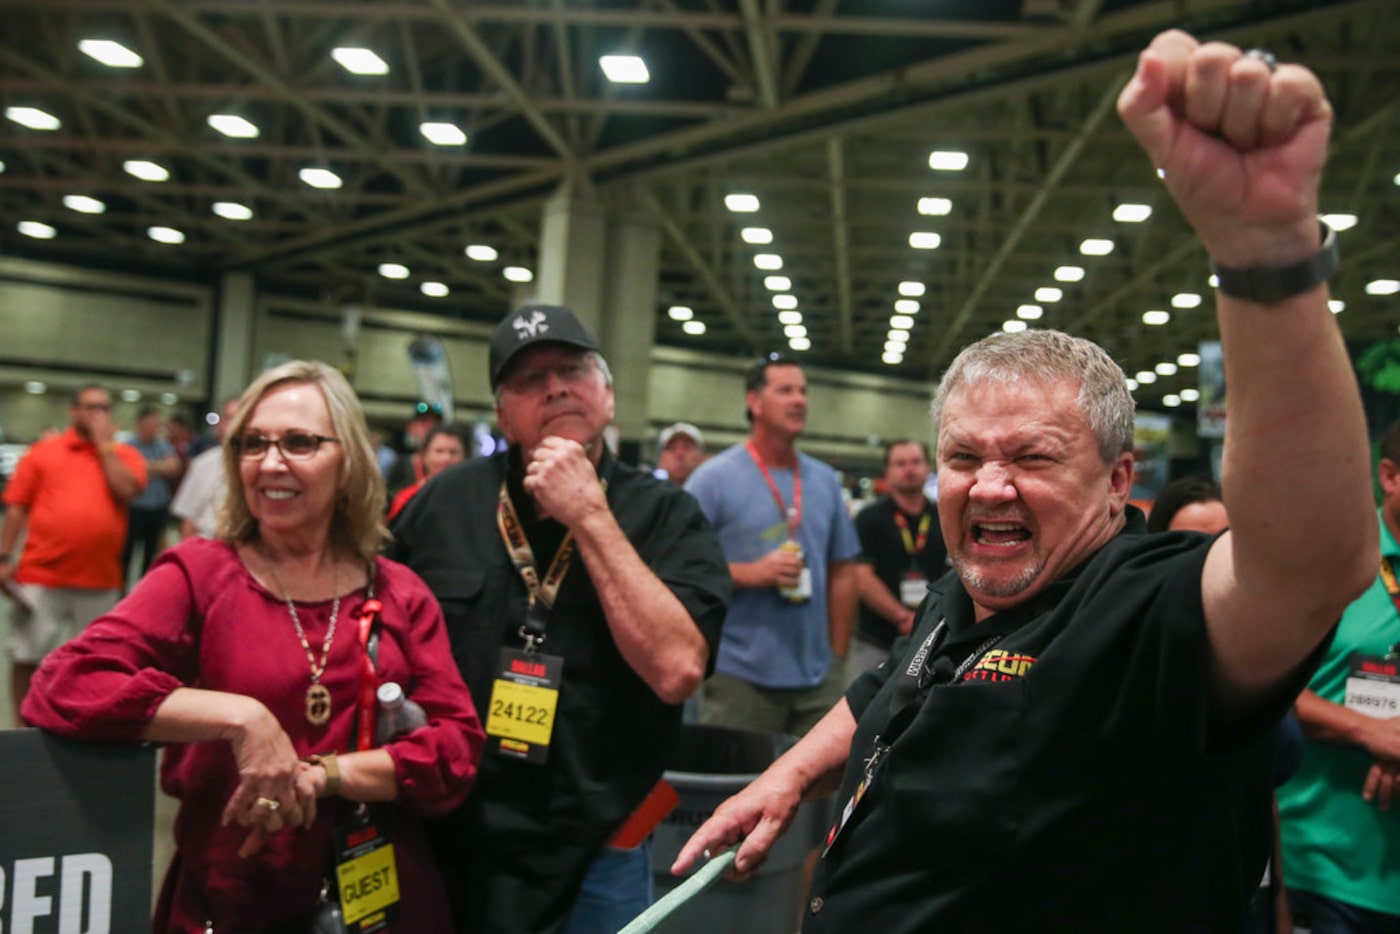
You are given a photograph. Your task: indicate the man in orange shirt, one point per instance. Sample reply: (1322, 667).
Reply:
(71, 493)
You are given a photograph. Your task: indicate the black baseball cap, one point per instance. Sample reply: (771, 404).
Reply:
(535, 324)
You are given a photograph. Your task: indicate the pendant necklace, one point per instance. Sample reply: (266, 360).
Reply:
(318, 697)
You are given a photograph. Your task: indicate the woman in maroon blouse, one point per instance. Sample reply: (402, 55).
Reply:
(256, 656)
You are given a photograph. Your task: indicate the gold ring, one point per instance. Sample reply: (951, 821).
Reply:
(270, 803)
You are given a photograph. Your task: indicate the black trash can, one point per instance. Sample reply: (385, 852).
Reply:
(710, 764)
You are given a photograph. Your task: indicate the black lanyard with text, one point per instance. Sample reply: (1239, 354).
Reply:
(542, 594)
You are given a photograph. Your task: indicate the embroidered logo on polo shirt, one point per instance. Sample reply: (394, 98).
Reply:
(1000, 665)
(532, 326)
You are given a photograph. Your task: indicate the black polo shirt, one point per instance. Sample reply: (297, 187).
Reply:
(514, 855)
(1075, 776)
(883, 546)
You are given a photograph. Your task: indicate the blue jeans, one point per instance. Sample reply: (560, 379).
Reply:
(616, 888)
(1325, 915)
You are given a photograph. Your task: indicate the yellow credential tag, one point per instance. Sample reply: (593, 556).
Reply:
(524, 697)
(368, 884)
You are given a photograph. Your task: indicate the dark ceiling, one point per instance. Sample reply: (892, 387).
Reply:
(826, 110)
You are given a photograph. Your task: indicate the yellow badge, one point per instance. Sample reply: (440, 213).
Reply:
(524, 697)
(368, 884)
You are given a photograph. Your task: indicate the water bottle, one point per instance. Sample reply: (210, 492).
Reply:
(397, 714)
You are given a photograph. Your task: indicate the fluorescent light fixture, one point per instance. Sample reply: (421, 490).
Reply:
(784, 302)
(1069, 273)
(756, 235)
(518, 274)
(1132, 213)
(1188, 359)
(1132, 384)
(800, 343)
(33, 117)
(892, 359)
(165, 234)
(1213, 281)
(1049, 294)
(1171, 400)
(911, 289)
(393, 270)
(83, 204)
(359, 61)
(680, 313)
(777, 283)
(941, 160)
(898, 334)
(924, 240)
(442, 134)
(1337, 306)
(935, 207)
(1186, 300)
(1340, 222)
(1156, 317)
(892, 346)
(906, 306)
(1382, 287)
(434, 289)
(110, 53)
(146, 170)
(233, 210)
(1190, 395)
(789, 317)
(1014, 326)
(768, 261)
(1165, 368)
(169, 398)
(1145, 377)
(795, 330)
(131, 395)
(320, 178)
(35, 388)
(1030, 312)
(234, 126)
(2, 165)
(693, 328)
(741, 203)
(624, 69)
(36, 229)
(481, 253)
(1095, 246)
(902, 322)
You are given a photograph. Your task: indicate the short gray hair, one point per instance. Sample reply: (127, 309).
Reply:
(1045, 356)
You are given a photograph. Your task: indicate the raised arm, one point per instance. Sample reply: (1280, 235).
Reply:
(1242, 146)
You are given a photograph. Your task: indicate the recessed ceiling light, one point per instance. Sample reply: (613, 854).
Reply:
(768, 261)
(233, 210)
(131, 395)
(1069, 273)
(434, 289)
(83, 204)
(481, 253)
(1337, 306)
(1145, 377)
(442, 134)
(680, 313)
(1132, 213)
(756, 235)
(902, 322)
(741, 203)
(789, 317)
(795, 330)
(935, 207)
(1165, 368)
(1340, 222)
(1132, 384)
(892, 359)
(33, 117)
(110, 53)
(906, 306)
(1382, 287)
(393, 270)
(1188, 359)
(360, 61)
(947, 160)
(518, 274)
(624, 69)
(694, 328)
(1213, 281)
(898, 334)
(1190, 395)
(1014, 326)
(893, 346)
(165, 235)
(234, 126)
(777, 283)
(1096, 247)
(924, 240)
(1171, 400)
(320, 178)
(169, 398)
(911, 289)
(1186, 300)
(1049, 294)
(800, 343)
(1156, 317)
(1029, 312)
(35, 388)
(784, 302)
(36, 229)
(146, 170)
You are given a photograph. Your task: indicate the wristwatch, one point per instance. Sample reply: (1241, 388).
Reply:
(328, 762)
(1269, 284)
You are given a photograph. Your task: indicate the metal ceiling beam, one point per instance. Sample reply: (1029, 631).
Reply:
(761, 53)
(840, 236)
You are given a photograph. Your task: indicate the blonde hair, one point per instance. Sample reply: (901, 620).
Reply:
(357, 524)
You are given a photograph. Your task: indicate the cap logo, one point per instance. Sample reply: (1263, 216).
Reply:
(532, 326)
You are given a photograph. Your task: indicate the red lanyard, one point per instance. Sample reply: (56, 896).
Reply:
(793, 515)
(369, 681)
(913, 546)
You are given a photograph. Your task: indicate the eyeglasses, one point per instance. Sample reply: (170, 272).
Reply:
(293, 446)
(95, 406)
(534, 380)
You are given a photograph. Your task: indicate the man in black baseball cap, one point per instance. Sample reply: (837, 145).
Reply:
(531, 325)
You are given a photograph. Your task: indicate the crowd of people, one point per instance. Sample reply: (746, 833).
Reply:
(1029, 710)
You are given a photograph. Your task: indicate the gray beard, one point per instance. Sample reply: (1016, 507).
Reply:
(973, 580)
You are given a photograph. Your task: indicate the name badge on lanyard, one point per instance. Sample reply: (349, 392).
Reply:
(367, 874)
(524, 698)
(912, 590)
(1373, 685)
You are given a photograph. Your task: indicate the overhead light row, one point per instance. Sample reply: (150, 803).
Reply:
(784, 302)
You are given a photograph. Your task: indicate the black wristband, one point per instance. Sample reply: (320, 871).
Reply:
(1269, 284)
